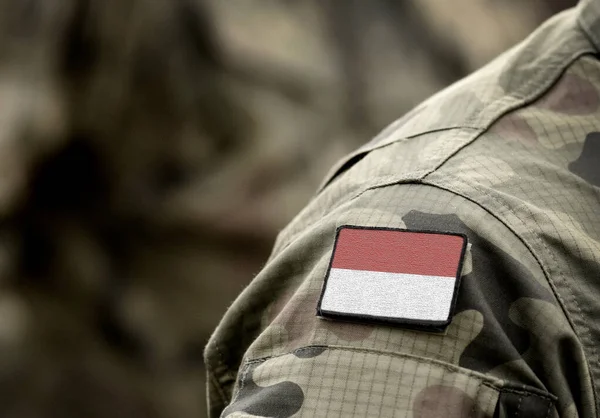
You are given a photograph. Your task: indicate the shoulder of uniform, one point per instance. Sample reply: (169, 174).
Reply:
(513, 80)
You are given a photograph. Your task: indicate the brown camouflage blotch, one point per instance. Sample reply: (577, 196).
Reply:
(572, 95)
(347, 331)
(277, 307)
(298, 319)
(444, 402)
(514, 127)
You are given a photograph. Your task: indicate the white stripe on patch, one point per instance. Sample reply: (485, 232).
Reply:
(382, 294)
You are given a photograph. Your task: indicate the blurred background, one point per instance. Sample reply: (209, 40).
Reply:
(150, 150)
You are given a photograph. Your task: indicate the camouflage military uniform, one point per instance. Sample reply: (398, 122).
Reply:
(510, 157)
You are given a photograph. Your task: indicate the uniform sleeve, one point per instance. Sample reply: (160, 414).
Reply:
(272, 356)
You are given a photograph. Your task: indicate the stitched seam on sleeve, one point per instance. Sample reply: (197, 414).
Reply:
(585, 330)
(518, 411)
(520, 102)
(525, 393)
(549, 408)
(529, 92)
(489, 381)
(448, 366)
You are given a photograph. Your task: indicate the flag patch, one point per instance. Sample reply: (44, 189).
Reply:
(382, 275)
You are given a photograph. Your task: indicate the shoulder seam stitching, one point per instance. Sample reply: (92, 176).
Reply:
(520, 102)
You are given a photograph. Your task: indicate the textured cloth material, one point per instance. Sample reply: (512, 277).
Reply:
(509, 158)
(388, 295)
(398, 251)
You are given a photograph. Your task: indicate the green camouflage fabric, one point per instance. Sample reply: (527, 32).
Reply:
(509, 157)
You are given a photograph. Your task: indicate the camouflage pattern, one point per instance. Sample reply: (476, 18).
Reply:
(507, 156)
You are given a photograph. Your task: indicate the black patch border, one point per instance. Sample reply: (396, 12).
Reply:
(432, 326)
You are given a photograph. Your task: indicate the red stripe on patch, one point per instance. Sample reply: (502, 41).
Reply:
(397, 251)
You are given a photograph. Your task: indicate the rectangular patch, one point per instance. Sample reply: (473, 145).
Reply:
(382, 275)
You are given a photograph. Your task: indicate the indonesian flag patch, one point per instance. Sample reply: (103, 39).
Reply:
(397, 276)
